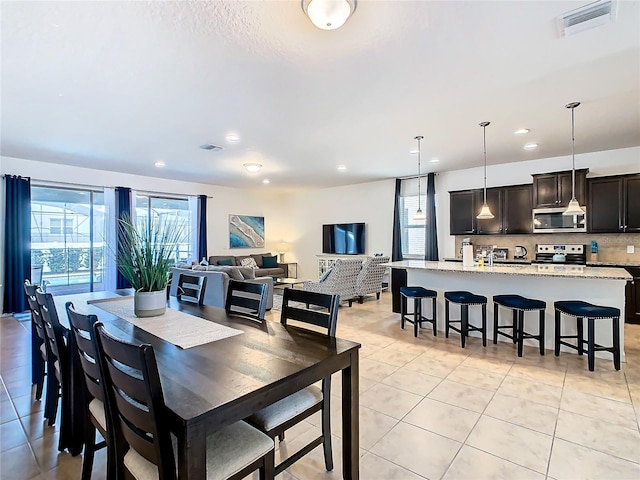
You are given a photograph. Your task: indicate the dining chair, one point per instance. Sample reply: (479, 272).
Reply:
(191, 288)
(143, 440)
(84, 356)
(247, 299)
(56, 348)
(39, 342)
(274, 420)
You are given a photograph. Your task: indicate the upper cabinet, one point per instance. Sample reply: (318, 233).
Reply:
(614, 204)
(462, 219)
(511, 207)
(555, 189)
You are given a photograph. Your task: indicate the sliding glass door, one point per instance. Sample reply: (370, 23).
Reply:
(68, 231)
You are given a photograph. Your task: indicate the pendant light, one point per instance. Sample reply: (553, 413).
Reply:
(419, 216)
(485, 212)
(574, 207)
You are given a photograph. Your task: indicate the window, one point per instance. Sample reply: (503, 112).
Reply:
(413, 231)
(67, 238)
(150, 209)
(55, 226)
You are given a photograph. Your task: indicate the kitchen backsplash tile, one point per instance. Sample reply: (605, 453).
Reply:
(612, 247)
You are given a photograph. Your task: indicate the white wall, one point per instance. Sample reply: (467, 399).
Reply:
(223, 202)
(371, 203)
(610, 162)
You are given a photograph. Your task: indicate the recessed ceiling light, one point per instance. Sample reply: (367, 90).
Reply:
(159, 164)
(266, 181)
(530, 146)
(434, 160)
(342, 168)
(252, 167)
(232, 137)
(522, 131)
(413, 152)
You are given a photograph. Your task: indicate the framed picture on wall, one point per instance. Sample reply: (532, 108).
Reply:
(246, 231)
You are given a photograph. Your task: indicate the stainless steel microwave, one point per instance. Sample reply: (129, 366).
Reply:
(553, 220)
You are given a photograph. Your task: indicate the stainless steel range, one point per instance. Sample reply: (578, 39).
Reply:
(563, 254)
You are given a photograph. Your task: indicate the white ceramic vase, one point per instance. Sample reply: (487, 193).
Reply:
(150, 304)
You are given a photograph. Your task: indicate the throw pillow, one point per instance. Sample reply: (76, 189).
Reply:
(226, 262)
(270, 262)
(324, 275)
(247, 273)
(249, 262)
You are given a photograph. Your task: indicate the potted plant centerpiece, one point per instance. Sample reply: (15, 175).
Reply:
(145, 257)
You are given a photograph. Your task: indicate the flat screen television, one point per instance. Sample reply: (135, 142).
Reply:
(343, 238)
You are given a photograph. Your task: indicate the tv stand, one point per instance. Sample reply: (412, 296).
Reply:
(328, 260)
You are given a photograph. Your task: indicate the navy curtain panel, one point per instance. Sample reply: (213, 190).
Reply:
(396, 245)
(123, 210)
(202, 227)
(17, 242)
(431, 234)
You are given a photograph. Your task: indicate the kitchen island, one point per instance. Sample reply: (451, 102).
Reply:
(550, 283)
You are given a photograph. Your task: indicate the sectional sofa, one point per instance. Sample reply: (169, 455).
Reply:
(263, 270)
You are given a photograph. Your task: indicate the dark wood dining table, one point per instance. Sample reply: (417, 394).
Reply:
(213, 385)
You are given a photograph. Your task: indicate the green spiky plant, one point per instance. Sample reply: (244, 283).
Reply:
(146, 255)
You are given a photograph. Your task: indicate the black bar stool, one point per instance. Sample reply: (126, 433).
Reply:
(580, 310)
(465, 299)
(518, 306)
(417, 294)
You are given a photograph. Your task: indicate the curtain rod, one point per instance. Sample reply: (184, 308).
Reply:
(78, 186)
(410, 177)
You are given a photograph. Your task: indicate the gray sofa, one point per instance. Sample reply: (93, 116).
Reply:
(215, 293)
(261, 271)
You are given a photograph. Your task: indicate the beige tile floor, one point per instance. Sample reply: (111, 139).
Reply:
(429, 409)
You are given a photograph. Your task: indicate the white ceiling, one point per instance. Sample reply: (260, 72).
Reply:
(121, 85)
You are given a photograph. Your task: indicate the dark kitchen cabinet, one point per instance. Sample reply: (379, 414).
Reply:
(511, 207)
(555, 189)
(462, 206)
(518, 203)
(614, 204)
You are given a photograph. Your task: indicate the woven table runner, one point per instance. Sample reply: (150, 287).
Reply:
(178, 328)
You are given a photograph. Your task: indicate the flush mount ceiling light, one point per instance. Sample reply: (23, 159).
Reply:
(252, 167)
(159, 164)
(266, 181)
(232, 137)
(342, 168)
(521, 131)
(574, 207)
(530, 146)
(419, 216)
(485, 212)
(328, 14)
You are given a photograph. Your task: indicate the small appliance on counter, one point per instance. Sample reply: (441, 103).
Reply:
(520, 253)
(467, 253)
(565, 254)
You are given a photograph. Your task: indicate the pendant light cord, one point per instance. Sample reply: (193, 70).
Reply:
(573, 106)
(484, 139)
(418, 138)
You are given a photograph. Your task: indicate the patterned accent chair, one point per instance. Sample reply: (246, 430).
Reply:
(340, 281)
(370, 277)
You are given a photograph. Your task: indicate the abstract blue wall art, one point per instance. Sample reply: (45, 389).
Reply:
(246, 231)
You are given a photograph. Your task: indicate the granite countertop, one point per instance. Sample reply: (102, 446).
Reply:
(613, 264)
(502, 261)
(547, 270)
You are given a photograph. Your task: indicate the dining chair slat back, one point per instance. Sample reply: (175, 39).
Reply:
(326, 317)
(85, 359)
(134, 394)
(247, 299)
(39, 342)
(191, 288)
(55, 332)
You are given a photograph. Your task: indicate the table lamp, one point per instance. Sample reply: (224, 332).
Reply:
(282, 247)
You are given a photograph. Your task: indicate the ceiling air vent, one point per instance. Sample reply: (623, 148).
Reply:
(590, 16)
(210, 146)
